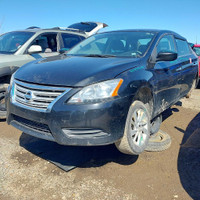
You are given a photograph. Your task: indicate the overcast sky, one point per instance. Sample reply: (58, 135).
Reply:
(181, 16)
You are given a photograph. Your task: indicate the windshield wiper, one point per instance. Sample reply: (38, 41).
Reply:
(99, 56)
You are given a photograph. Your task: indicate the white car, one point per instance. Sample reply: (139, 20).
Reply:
(20, 47)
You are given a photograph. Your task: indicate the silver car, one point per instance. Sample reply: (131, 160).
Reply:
(20, 47)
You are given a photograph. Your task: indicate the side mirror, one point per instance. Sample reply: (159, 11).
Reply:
(166, 56)
(35, 49)
(63, 50)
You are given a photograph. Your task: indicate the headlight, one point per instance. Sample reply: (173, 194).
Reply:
(11, 82)
(12, 79)
(97, 92)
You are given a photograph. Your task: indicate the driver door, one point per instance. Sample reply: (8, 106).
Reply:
(48, 43)
(167, 76)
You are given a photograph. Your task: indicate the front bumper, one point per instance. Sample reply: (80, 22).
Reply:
(67, 124)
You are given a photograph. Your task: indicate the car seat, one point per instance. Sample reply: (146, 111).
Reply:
(115, 47)
(44, 45)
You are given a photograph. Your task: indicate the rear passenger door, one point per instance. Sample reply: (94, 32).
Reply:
(188, 65)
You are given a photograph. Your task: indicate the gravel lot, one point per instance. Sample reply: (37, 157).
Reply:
(171, 174)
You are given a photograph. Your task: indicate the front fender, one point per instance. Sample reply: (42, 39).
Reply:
(139, 85)
(7, 71)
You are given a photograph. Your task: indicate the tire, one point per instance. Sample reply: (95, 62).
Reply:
(155, 124)
(137, 130)
(159, 142)
(3, 89)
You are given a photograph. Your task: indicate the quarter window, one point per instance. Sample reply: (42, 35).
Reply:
(166, 44)
(183, 48)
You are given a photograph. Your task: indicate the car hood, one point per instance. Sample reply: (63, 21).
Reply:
(73, 71)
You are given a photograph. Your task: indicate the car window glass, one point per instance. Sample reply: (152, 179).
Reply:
(47, 42)
(12, 41)
(96, 47)
(197, 50)
(122, 44)
(86, 27)
(183, 48)
(70, 40)
(166, 44)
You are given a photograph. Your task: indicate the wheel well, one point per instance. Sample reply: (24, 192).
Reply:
(5, 79)
(144, 95)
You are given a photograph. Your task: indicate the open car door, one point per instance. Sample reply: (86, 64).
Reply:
(89, 28)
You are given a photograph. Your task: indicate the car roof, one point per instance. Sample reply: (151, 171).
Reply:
(38, 30)
(156, 31)
(84, 29)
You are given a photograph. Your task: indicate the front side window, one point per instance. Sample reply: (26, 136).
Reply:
(183, 48)
(166, 44)
(70, 40)
(48, 42)
(120, 44)
(12, 41)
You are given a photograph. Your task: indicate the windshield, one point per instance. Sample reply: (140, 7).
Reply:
(197, 50)
(12, 41)
(119, 44)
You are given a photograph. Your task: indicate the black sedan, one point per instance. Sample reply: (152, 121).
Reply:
(110, 88)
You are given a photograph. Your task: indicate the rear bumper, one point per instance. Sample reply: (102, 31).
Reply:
(82, 125)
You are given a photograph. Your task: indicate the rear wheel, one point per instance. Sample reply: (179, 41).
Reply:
(137, 130)
(3, 89)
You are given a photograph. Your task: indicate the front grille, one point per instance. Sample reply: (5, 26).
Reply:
(36, 96)
(32, 124)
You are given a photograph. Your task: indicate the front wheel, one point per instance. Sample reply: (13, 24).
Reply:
(3, 89)
(137, 130)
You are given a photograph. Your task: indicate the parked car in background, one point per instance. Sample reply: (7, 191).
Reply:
(110, 88)
(20, 47)
(196, 49)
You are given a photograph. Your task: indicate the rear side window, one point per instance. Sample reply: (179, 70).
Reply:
(183, 48)
(166, 44)
(70, 40)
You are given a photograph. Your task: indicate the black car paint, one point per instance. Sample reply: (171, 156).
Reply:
(91, 70)
(164, 83)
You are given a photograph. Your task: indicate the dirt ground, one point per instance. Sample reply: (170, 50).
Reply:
(168, 175)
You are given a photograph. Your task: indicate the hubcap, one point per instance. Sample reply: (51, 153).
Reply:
(139, 127)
